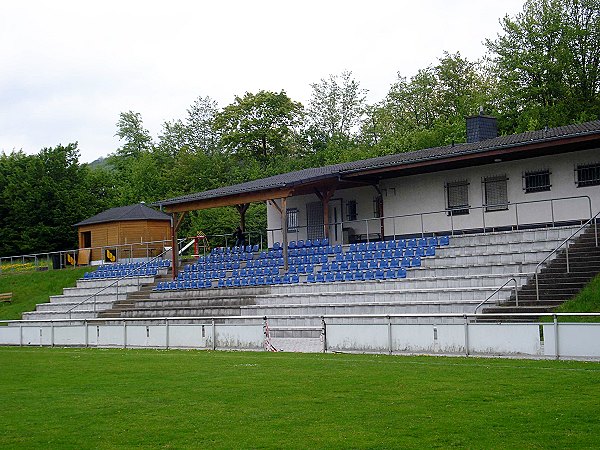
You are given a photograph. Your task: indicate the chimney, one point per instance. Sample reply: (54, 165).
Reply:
(481, 127)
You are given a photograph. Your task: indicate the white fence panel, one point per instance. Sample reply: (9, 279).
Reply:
(150, 336)
(428, 338)
(349, 337)
(505, 339)
(68, 336)
(10, 336)
(249, 337)
(109, 335)
(575, 340)
(190, 336)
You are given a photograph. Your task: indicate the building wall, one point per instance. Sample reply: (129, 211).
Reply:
(405, 198)
(134, 233)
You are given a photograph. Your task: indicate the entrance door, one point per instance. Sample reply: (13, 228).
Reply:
(314, 221)
(335, 221)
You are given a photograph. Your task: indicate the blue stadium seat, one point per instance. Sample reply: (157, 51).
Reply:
(292, 245)
(430, 251)
(300, 243)
(325, 267)
(339, 276)
(308, 243)
(400, 243)
(432, 241)
(361, 247)
(243, 281)
(401, 273)
(422, 242)
(390, 274)
(380, 245)
(317, 242)
(416, 262)
(352, 248)
(405, 261)
(348, 276)
(390, 245)
(329, 277)
(420, 251)
(371, 246)
(311, 278)
(276, 246)
(369, 275)
(324, 242)
(320, 278)
(443, 240)
(359, 275)
(286, 279)
(337, 249)
(295, 279)
(379, 274)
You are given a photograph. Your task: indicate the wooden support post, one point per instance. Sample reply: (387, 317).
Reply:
(325, 197)
(242, 208)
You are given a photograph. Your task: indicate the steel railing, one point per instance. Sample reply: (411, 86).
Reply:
(374, 230)
(498, 290)
(123, 252)
(118, 280)
(565, 244)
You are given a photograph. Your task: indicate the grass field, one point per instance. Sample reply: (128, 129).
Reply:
(55, 398)
(31, 288)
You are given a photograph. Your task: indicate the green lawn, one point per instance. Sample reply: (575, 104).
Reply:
(588, 300)
(31, 288)
(55, 398)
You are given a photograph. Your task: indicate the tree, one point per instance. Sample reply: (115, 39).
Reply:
(199, 125)
(130, 128)
(429, 109)
(260, 125)
(547, 61)
(336, 106)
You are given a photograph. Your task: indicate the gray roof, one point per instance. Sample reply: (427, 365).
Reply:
(299, 177)
(139, 211)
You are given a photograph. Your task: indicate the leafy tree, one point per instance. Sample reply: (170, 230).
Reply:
(429, 109)
(130, 128)
(200, 129)
(547, 61)
(336, 106)
(260, 125)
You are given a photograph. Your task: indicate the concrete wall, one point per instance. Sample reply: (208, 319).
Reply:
(412, 195)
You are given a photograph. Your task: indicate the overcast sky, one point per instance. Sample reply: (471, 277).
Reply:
(70, 67)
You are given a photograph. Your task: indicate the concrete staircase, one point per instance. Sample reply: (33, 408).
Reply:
(90, 297)
(556, 285)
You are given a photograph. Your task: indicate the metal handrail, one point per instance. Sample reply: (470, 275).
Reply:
(498, 290)
(94, 295)
(594, 219)
(450, 213)
(46, 255)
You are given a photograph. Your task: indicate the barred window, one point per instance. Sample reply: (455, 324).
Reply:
(351, 210)
(292, 220)
(457, 195)
(537, 181)
(588, 175)
(496, 194)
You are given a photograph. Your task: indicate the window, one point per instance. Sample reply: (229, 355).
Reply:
(588, 175)
(537, 181)
(457, 195)
(351, 210)
(378, 206)
(495, 191)
(292, 220)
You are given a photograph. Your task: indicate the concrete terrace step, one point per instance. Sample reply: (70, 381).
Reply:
(531, 235)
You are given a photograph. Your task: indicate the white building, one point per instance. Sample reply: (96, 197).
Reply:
(530, 179)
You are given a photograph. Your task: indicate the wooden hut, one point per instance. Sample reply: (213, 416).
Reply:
(127, 232)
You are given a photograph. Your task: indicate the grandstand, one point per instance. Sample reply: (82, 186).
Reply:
(333, 257)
